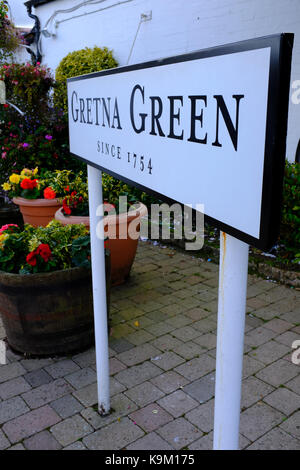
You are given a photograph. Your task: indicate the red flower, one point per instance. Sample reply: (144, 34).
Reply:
(73, 193)
(67, 188)
(66, 208)
(8, 227)
(49, 193)
(31, 258)
(44, 251)
(26, 183)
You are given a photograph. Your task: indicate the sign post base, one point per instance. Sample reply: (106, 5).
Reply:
(99, 287)
(233, 273)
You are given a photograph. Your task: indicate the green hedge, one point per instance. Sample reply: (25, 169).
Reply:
(77, 63)
(290, 223)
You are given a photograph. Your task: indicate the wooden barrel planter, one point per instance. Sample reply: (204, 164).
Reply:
(49, 313)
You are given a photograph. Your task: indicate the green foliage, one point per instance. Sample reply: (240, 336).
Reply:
(78, 63)
(290, 225)
(8, 35)
(19, 250)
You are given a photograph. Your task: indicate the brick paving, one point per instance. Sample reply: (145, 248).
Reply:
(162, 363)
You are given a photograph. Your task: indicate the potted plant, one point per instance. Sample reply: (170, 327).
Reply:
(121, 208)
(46, 289)
(36, 195)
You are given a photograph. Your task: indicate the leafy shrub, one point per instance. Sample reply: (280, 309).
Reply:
(290, 224)
(43, 249)
(78, 63)
(8, 35)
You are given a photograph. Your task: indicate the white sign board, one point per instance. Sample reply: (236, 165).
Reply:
(203, 128)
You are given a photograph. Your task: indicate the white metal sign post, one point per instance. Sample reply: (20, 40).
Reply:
(202, 128)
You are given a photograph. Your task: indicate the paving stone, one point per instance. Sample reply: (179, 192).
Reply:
(167, 360)
(284, 400)
(17, 447)
(115, 436)
(66, 406)
(42, 441)
(62, 368)
(207, 341)
(13, 387)
(34, 364)
(169, 381)
(202, 389)
(259, 336)
(259, 419)
(197, 367)
(115, 366)
(276, 439)
(166, 342)
(161, 328)
(10, 371)
(197, 313)
(70, 430)
(30, 423)
(189, 350)
(202, 416)
(287, 338)
(120, 406)
(12, 408)
(120, 345)
(75, 446)
(177, 403)
(37, 378)
(137, 374)
(187, 333)
(151, 417)
(138, 354)
(278, 373)
(140, 337)
(4, 442)
(47, 393)
(81, 378)
(150, 442)
(254, 390)
(269, 352)
(144, 393)
(251, 366)
(179, 433)
(206, 442)
(294, 384)
(292, 425)
(86, 358)
(278, 326)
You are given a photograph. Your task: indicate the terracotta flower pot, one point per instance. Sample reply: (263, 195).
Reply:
(122, 247)
(37, 212)
(49, 313)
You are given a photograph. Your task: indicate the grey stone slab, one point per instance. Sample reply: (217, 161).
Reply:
(284, 400)
(82, 378)
(150, 442)
(202, 389)
(13, 387)
(278, 373)
(259, 336)
(269, 352)
(276, 439)
(42, 441)
(34, 364)
(197, 367)
(66, 406)
(62, 368)
(203, 416)
(151, 417)
(169, 381)
(115, 436)
(12, 408)
(70, 430)
(38, 377)
(144, 393)
(179, 433)
(259, 419)
(30, 423)
(167, 360)
(254, 390)
(138, 354)
(86, 358)
(138, 374)
(78, 445)
(292, 425)
(177, 403)
(4, 442)
(46, 393)
(10, 371)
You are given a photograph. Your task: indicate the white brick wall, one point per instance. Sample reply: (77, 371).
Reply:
(177, 26)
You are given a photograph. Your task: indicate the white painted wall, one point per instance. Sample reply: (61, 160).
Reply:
(177, 26)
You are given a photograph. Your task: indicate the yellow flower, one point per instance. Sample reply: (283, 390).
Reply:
(35, 171)
(14, 178)
(6, 186)
(3, 237)
(26, 172)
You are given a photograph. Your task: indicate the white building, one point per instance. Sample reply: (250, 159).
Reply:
(142, 30)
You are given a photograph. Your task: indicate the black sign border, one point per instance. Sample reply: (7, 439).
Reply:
(276, 129)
